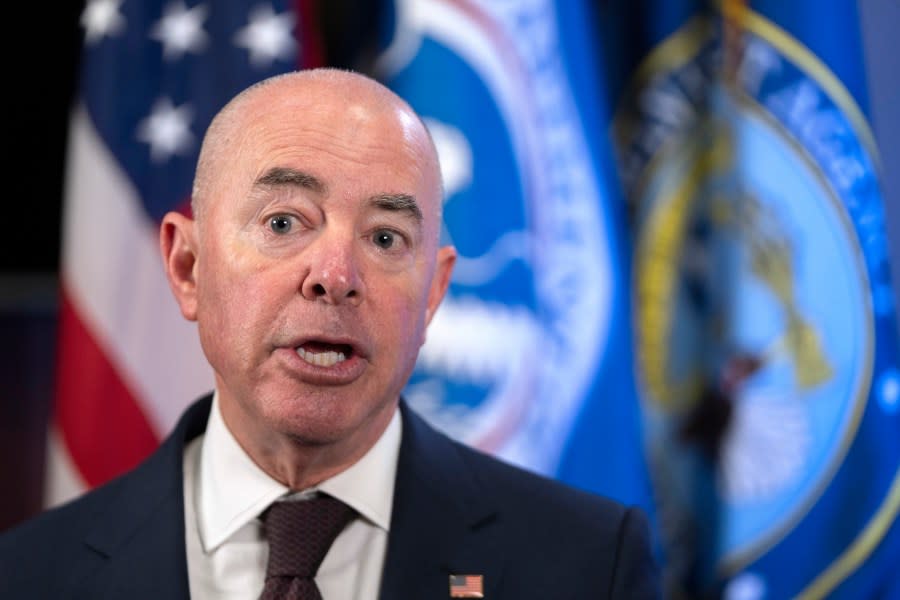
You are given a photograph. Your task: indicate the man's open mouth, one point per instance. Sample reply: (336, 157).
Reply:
(323, 354)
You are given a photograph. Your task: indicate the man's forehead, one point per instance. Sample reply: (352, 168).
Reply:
(288, 177)
(286, 117)
(295, 116)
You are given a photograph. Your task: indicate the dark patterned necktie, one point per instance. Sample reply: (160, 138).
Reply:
(299, 534)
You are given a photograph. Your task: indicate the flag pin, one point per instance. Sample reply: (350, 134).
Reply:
(466, 586)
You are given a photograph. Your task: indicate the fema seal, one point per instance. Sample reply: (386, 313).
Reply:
(513, 349)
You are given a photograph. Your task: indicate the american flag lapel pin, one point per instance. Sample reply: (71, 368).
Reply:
(467, 586)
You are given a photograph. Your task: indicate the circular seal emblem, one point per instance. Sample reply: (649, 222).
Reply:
(758, 280)
(512, 351)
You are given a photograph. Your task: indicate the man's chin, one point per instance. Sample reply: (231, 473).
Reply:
(320, 417)
(327, 428)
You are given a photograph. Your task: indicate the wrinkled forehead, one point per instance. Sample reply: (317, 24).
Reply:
(357, 122)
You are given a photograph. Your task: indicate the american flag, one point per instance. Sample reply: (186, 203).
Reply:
(153, 74)
(466, 586)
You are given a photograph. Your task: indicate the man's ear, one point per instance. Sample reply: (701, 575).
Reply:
(446, 258)
(178, 244)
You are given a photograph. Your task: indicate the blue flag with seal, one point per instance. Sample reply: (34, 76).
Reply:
(529, 355)
(765, 319)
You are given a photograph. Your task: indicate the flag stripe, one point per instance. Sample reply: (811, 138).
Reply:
(113, 274)
(62, 481)
(100, 448)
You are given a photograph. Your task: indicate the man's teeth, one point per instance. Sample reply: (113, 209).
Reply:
(321, 359)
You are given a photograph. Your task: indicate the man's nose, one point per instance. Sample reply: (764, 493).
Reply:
(334, 274)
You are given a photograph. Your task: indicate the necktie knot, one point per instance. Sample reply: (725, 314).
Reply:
(299, 535)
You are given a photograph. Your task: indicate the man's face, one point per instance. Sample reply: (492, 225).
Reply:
(316, 268)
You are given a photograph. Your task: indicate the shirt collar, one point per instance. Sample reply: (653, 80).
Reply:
(233, 490)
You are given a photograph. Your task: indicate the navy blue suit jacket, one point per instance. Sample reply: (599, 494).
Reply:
(456, 511)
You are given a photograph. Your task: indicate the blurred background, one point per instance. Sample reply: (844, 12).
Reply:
(677, 245)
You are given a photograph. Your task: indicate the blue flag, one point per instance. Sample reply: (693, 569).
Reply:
(529, 355)
(766, 331)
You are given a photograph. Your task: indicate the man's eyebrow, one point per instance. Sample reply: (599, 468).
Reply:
(285, 176)
(398, 202)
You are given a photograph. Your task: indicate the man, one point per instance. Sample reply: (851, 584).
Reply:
(312, 268)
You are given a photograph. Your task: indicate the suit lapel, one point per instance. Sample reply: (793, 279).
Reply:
(139, 535)
(442, 522)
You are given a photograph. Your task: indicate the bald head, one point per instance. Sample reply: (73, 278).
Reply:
(317, 98)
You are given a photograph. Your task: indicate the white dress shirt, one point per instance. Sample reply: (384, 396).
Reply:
(225, 492)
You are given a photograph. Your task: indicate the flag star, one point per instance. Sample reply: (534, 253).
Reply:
(101, 18)
(167, 130)
(267, 36)
(181, 30)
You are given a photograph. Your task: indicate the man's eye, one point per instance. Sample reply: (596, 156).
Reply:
(384, 239)
(280, 224)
